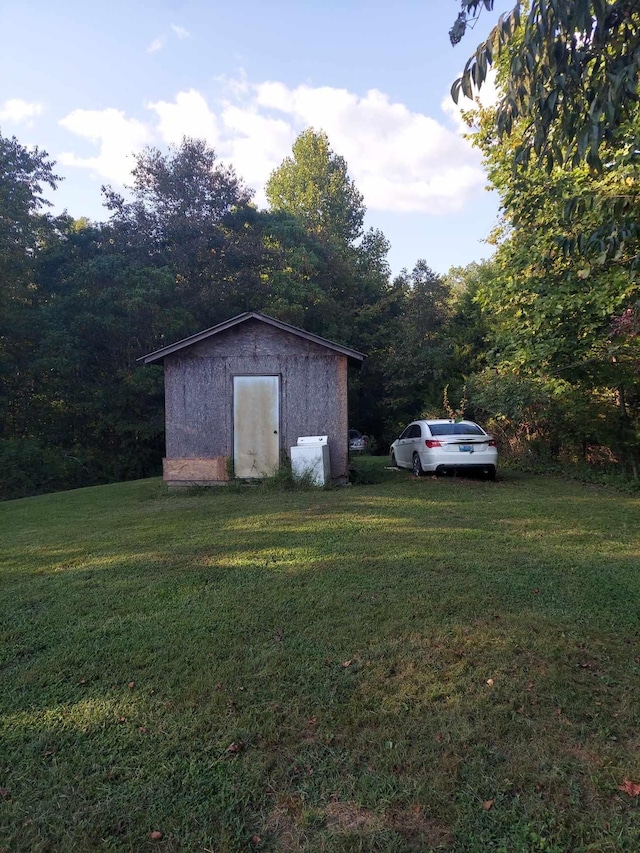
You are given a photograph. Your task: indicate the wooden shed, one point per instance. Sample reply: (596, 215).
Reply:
(243, 392)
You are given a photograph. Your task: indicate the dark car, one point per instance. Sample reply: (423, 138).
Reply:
(357, 441)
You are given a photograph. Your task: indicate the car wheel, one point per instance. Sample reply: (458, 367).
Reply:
(392, 460)
(417, 466)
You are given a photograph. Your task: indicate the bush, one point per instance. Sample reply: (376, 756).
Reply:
(28, 468)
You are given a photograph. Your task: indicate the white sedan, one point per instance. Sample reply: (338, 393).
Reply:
(442, 446)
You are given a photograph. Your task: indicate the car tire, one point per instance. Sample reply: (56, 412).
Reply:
(392, 460)
(417, 466)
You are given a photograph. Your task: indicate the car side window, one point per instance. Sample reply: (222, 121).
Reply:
(415, 431)
(406, 433)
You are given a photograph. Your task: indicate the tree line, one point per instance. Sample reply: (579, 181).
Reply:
(183, 250)
(541, 343)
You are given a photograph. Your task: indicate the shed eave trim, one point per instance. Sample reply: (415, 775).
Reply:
(160, 354)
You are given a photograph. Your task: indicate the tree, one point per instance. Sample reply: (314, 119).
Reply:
(23, 229)
(468, 328)
(419, 365)
(556, 314)
(81, 410)
(191, 214)
(22, 176)
(313, 184)
(335, 280)
(572, 74)
(178, 197)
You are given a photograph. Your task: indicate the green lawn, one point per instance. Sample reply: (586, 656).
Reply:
(433, 664)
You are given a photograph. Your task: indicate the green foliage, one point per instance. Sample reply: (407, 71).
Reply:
(284, 479)
(365, 471)
(191, 215)
(23, 229)
(568, 75)
(468, 329)
(29, 468)
(534, 415)
(314, 186)
(23, 174)
(561, 283)
(176, 192)
(572, 73)
(103, 309)
(418, 366)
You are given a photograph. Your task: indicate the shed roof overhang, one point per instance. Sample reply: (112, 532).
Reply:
(356, 358)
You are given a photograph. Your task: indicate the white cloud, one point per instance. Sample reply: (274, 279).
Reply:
(156, 45)
(188, 115)
(400, 160)
(160, 41)
(255, 144)
(16, 110)
(118, 139)
(181, 32)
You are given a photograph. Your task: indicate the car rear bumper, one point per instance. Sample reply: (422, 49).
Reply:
(442, 460)
(487, 468)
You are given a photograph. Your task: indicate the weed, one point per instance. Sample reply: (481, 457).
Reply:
(283, 478)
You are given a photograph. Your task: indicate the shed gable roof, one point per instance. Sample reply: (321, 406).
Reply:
(158, 355)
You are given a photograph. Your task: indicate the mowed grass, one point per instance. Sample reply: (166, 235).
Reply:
(432, 664)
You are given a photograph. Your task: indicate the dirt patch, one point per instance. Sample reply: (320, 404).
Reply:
(416, 827)
(284, 822)
(590, 759)
(349, 817)
(419, 831)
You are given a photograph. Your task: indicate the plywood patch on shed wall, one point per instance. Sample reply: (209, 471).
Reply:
(194, 470)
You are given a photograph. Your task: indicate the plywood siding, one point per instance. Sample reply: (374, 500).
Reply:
(199, 391)
(195, 470)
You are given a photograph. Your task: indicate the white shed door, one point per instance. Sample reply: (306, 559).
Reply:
(256, 424)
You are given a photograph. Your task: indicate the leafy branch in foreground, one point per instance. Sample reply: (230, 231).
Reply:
(573, 73)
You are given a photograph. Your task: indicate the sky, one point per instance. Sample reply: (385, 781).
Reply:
(94, 82)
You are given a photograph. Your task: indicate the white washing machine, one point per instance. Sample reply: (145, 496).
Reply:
(311, 455)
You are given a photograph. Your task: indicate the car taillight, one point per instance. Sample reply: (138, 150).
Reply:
(431, 443)
(493, 443)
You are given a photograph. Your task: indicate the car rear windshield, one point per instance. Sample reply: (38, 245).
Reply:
(455, 429)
